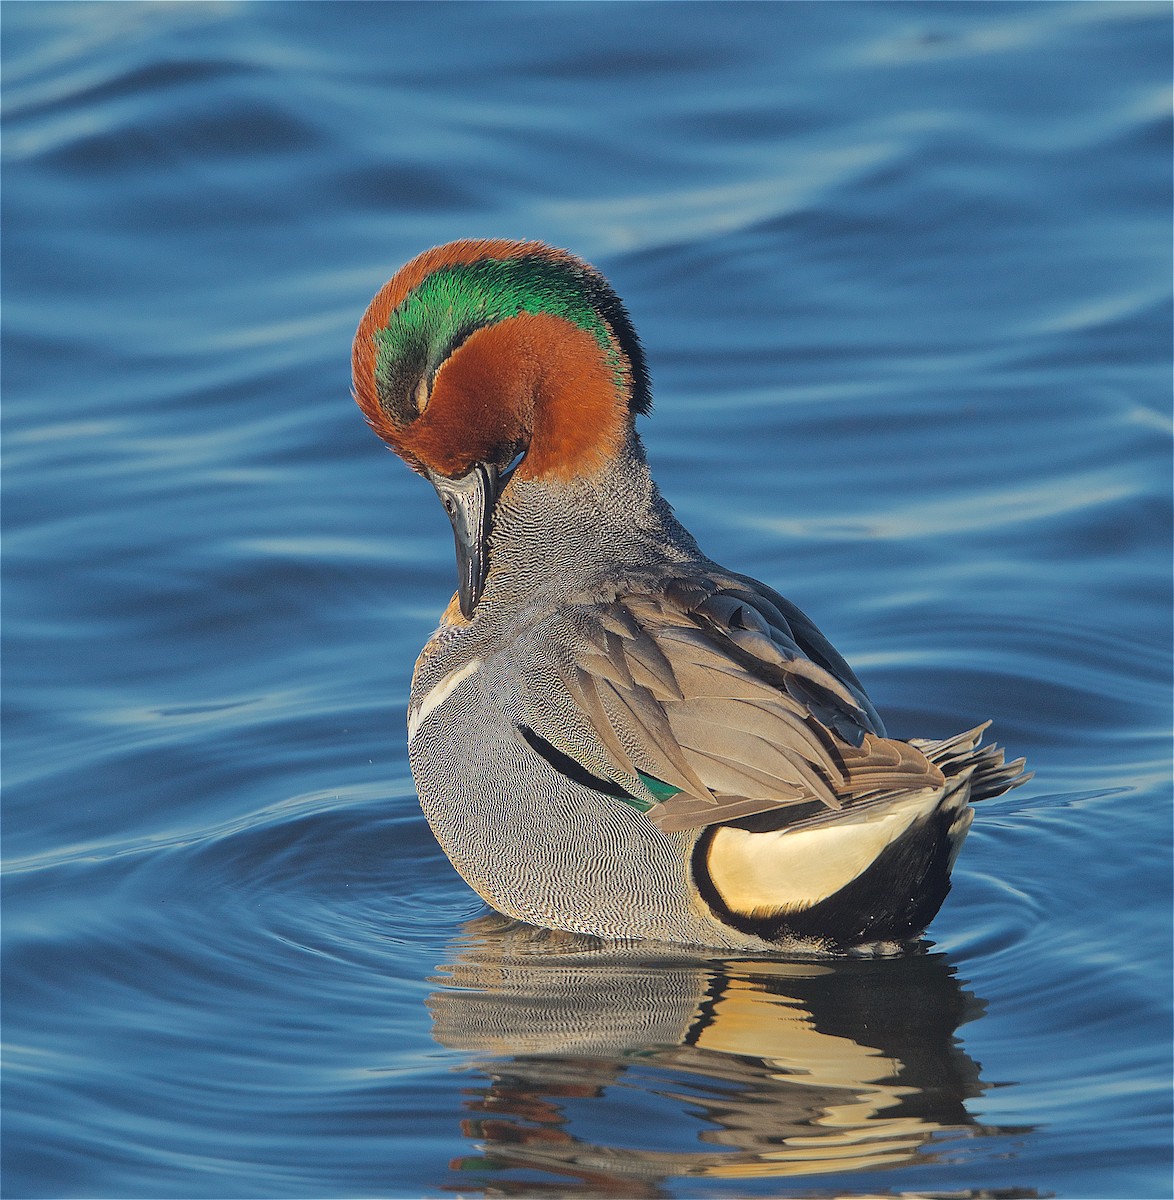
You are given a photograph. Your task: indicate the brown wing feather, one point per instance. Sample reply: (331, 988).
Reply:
(706, 687)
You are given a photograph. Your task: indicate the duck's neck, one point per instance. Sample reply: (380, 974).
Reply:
(561, 538)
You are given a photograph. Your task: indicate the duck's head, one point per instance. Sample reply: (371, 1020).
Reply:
(480, 354)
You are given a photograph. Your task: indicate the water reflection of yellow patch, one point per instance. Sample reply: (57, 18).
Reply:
(750, 1021)
(768, 1068)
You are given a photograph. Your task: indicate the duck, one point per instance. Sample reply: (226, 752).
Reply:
(610, 733)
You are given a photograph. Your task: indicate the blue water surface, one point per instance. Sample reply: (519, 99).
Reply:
(903, 274)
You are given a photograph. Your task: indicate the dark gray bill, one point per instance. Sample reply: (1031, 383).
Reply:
(469, 503)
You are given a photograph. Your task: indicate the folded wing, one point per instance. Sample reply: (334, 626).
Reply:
(716, 700)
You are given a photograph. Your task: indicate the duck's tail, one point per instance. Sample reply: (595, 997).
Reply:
(989, 775)
(867, 878)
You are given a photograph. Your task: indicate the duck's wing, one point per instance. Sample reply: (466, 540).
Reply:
(714, 700)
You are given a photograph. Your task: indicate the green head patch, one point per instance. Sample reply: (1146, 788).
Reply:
(450, 304)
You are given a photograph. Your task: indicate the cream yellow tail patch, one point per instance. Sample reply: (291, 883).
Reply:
(759, 873)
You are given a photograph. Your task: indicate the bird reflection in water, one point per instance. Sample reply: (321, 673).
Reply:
(615, 1068)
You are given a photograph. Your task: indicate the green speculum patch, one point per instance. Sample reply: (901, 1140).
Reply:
(660, 789)
(454, 301)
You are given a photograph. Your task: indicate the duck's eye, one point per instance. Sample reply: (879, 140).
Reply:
(420, 397)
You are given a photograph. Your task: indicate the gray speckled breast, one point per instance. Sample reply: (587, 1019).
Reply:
(533, 843)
